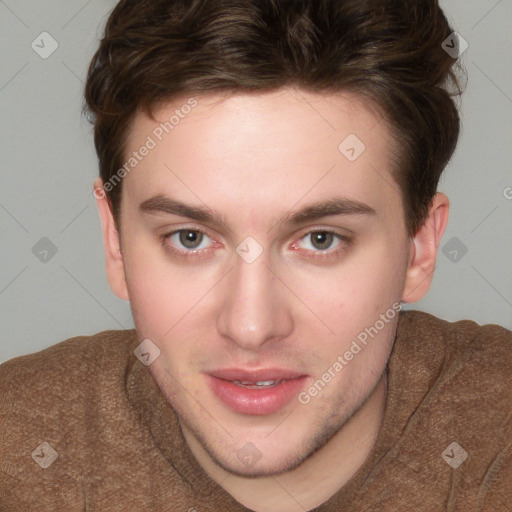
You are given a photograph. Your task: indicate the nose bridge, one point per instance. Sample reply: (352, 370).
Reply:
(252, 311)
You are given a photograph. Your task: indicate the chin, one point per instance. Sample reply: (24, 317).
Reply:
(276, 467)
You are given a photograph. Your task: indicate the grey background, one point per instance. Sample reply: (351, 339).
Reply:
(48, 166)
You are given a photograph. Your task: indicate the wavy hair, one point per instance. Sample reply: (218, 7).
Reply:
(387, 51)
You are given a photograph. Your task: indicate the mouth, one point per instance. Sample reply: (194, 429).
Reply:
(258, 392)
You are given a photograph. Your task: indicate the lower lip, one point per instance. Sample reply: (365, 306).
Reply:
(255, 401)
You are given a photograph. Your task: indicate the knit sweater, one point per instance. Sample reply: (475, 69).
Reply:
(84, 427)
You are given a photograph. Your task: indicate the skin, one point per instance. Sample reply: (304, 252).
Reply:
(252, 158)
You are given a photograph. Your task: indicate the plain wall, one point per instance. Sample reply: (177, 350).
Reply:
(48, 167)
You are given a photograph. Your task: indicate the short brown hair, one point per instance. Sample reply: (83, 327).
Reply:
(388, 51)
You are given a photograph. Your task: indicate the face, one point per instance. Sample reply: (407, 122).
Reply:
(231, 283)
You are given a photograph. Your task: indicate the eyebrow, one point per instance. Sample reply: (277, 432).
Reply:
(161, 204)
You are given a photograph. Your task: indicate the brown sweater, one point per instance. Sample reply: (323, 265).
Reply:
(90, 403)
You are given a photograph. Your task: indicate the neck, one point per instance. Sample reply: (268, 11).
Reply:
(319, 477)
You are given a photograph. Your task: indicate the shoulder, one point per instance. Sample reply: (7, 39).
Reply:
(454, 393)
(488, 345)
(64, 372)
(463, 363)
(57, 403)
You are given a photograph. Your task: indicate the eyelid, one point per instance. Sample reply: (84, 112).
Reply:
(342, 233)
(187, 230)
(176, 229)
(344, 244)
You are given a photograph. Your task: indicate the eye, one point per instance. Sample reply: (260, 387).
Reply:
(319, 244)
(320, 240)
(187, 242)
(189, 238)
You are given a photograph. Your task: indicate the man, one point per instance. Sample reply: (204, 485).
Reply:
(268, 199)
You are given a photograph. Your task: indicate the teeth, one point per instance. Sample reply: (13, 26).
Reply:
(259, 384)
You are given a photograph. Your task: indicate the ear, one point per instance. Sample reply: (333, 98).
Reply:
(113, 256)
(422, 261)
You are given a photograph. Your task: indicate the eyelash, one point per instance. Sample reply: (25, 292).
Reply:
(345, 243)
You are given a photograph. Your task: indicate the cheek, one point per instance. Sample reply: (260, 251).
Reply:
(161, 310)
(355, 294)
(164, 297)
(381, 268)
(150, 287)
(150, 305)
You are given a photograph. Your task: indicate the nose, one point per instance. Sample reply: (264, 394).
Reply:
(254, 310)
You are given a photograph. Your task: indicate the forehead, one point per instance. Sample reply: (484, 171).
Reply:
(259, 150)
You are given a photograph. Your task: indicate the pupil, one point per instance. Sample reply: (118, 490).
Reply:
(323, 239)
(190, 239)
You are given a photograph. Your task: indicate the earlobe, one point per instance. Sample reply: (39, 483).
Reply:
(424, 247)
(113, 256)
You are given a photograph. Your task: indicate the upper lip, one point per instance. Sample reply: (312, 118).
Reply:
(255, 375)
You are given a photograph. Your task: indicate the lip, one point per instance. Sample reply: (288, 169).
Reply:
(256, 402)
(254, 375)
